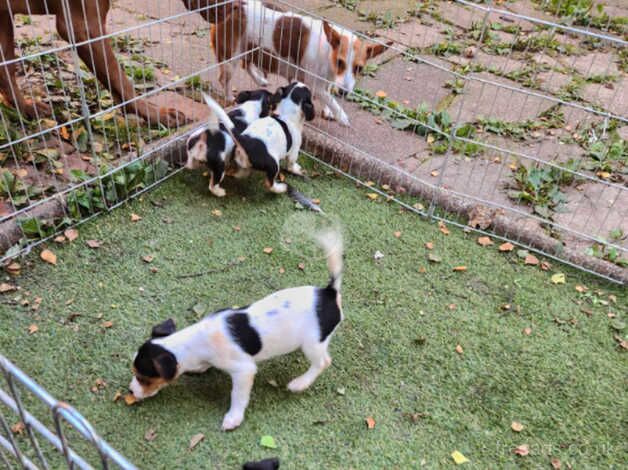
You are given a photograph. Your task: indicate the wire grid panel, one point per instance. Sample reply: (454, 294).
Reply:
(86, 113)
(528, 125)
(20, 442)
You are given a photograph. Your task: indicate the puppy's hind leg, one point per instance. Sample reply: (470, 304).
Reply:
(214, 187)
(319, 359)
(293, 166)
(271, 180)
(241, 384)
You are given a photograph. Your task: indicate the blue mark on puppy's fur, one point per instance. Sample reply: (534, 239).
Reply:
(272, 313)
(286, 304)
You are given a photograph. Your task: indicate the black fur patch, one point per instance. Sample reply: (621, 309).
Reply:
(286, 131)
(265, 96)
(259, 157)
(216, 145)
(193, 140)
(152, 358)
(237, 116)
(303, 97)
(327, 311)
(243, 333)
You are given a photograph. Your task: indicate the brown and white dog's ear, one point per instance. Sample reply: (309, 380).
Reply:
(166, 365)
(373, 50)
(333, 37)
(165, 328)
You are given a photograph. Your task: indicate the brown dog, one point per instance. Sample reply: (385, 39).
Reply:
(88, 20)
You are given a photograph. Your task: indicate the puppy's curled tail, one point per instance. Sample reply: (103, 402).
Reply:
(218, 113)
(331, 242)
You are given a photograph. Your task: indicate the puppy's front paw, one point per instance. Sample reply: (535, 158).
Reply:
(279, 188)
(217, 191)
(232, 420)
(327, 113)
(295, 169)
(298, 385)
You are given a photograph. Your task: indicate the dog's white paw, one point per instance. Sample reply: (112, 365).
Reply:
(217, 191)
(344, 119)
(328, 113)
(279, 188)
(232, 420)
(299, 384)
(295, 169)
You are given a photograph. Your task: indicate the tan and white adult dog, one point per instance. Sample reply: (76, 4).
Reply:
(294, 46)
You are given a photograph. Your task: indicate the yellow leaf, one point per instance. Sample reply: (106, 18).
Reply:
(430, 140)
(71, 234)
(372, 196)
(443, 228)
(460, 268)
(49, 257)
(301, 266)
(458, 457)
(459, 349)
(268, 250)
(148, 258)
(558, 278)
(64, 133)
(217, 213)
(370, 422)
(135, 218)
(516, 426)
(485, 241)
(196, 439)
(581, 289)
(381, 94)
(32, 329)
(603, 174)
(130, 399)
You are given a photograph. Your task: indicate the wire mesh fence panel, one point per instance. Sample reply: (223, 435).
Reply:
(38, 431)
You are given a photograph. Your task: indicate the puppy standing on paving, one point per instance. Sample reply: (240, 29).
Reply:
(212, 146)
(235, 340)
(268, 141)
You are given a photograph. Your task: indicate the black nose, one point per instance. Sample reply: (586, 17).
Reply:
(342, 92)
(130, 391)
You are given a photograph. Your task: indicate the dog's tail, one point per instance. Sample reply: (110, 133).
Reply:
(218, 114)
(331, 242)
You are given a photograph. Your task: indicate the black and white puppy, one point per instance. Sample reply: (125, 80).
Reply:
(267, 141)
(235, 340)
(212, 146)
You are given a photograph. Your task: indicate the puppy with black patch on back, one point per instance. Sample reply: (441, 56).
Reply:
(267, 141)
(212, 146)
(235, 340)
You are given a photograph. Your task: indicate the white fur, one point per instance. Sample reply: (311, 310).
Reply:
(285, 321)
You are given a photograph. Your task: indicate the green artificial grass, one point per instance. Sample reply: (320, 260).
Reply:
(394, 357)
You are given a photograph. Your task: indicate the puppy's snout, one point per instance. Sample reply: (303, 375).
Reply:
(343, 92)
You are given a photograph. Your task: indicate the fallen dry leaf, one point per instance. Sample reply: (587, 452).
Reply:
(154, 269)
(18, 428)
(150, 435)
(107, 324)
(460, 268)
(370, 422)
(397, 234)
(459, 349)
(522, 450)
(59, 239)
(527, 331)
(545, 266)
(581, 289)
(64, 133)
(117, 396)
(434, 173)
(71, 234)
(531, 259)
(372, 196)
(135, 217)
(217, 213)
(130, 399)
(13, 268)
(422, 270)
(196, 439)
(301, 266)
(458, 457)
(268, 250)
(556, 464)
(6, 287)
(282, 270)
(236, 228)
(506, 247)
(381, 94)
(558, 278)
(429, 245)
(32, 329)
(148, 258)
(93, 243)
(49, 257)
(443, 228)
(516, 426)
(485, 241)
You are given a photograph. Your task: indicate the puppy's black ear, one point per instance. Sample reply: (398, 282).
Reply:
(308, 110)
(165, 364)
(278, 96)
(165, 328)
(243, 96)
